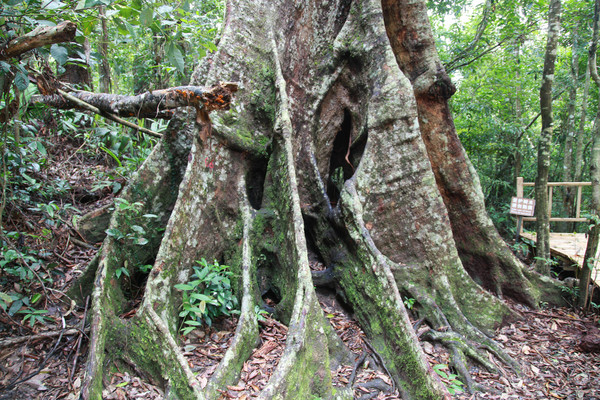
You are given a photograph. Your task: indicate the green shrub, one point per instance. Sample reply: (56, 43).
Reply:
(207, 296)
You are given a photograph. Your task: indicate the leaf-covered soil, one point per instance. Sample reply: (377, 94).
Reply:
(546, 343)
(553, 349)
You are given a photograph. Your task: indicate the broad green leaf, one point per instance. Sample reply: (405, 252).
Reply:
(147, 17)
(201, 297)
(87, 25)
(52, 4)
(203, 273)
(40, 147)
(28, 178)
(183, 286)
(16, 306)
(175, 56)
(165, 9)
(121, 27)
(21, 81)
(60, 54)
(125, 11)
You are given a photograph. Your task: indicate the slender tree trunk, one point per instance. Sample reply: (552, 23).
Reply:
(581, 130)
(518, 114)
(482, 251)
(594, 236)
(545, 142)
(570, 134)
(105, 78)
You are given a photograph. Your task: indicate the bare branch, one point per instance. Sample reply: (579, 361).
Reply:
(89, 107)
(152, 104)
(42, 36)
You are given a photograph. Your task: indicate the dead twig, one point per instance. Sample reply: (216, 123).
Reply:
(357, 365)
(79, 339)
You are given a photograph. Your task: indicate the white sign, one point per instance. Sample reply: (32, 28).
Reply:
(522, 206)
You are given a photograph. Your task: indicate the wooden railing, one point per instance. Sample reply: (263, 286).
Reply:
(551, 186)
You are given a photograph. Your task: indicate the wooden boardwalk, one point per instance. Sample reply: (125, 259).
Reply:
(569, 246)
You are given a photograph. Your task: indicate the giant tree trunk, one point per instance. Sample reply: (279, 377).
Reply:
(323, 153)
(545, 142)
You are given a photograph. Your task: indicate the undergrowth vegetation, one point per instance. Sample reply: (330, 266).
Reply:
(57, 165)
(207, 296)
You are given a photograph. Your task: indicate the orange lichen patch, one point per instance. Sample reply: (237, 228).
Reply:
(219, 97)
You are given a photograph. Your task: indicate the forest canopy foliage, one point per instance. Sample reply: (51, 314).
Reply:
(494, 52)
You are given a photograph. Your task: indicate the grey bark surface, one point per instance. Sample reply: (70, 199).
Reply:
(322, 152)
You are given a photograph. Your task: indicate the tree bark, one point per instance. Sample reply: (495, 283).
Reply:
(153, 104)
(545, 142)
(104, 66)
(483, 253)
(42, 36)
(581, 130)
(323, 155)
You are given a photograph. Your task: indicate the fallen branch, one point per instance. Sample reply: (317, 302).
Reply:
(152, 104)
(43, 335)
(86, 106)
(42, 36)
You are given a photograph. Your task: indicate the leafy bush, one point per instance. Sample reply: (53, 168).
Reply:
(207, 296)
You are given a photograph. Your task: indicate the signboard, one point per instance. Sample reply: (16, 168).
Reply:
(521, 206)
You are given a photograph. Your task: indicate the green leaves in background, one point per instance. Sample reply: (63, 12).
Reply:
(175, 56)
(60, 54)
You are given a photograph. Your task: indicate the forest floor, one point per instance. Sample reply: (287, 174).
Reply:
(43, 341)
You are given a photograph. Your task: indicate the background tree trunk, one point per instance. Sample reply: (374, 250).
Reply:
(570, 134)
(581, 130)
(544, 145)
(104, 66)
(483, 253)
